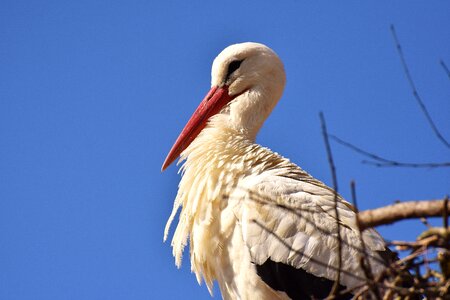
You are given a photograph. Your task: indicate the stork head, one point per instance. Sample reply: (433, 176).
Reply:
(247, 81)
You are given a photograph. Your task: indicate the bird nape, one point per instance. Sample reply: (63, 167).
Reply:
(256, 223)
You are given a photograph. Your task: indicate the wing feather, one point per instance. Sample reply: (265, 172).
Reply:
(293, 222)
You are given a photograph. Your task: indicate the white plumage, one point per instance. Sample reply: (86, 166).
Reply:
(244, 206)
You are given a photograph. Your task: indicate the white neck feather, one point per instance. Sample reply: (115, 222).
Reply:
(214, 163)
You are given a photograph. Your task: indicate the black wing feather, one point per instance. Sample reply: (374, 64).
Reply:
(296, 283)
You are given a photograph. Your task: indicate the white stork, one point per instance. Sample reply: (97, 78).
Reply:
(257, 223)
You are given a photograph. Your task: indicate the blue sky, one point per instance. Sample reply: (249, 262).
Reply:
(94, 93)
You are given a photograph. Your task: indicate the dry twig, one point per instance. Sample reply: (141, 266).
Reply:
(414, 89)
(364, 261)
(384, 162)
(335, 289)
(444, 66)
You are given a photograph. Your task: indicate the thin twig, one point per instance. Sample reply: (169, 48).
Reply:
(335, 289)
(425, 222)
(421, 243)
(365, 263)
(384, 162)
(408, 165)
(447, 71)
(414, 89)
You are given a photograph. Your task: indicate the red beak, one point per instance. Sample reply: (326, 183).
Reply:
(214, 101)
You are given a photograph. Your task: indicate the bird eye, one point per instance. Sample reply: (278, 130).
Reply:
(233, 66)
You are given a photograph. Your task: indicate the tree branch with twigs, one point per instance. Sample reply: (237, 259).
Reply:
(401, 211)
(403, 278)
(432, 245)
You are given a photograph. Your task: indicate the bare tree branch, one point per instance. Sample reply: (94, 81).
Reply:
(414, 89)
(335, 289)
(364, 261)
(416, 244)
(408, 165)
(400, 211)
(384, 162)
(447, 71)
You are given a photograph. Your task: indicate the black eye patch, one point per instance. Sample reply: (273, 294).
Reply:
(233, 66)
